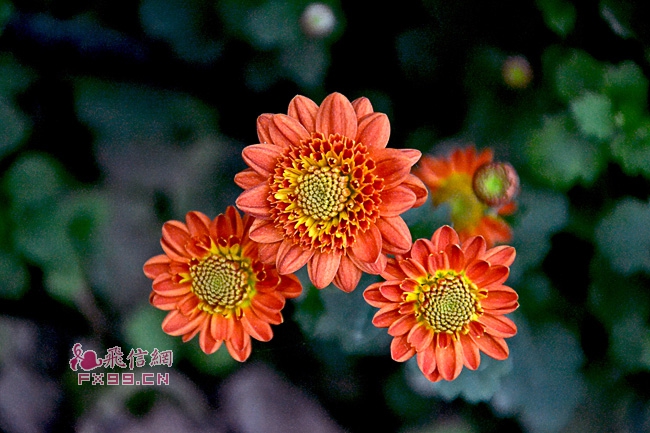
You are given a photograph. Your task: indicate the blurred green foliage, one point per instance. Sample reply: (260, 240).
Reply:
(116, 119)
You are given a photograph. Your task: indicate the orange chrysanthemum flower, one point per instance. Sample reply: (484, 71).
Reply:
(327, 192)
(212, 282)
(445, 301)
(452, 181)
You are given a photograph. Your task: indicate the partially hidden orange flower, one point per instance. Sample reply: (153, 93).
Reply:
(212, 282)
(326, 191)
(444, 302)
(452, 181)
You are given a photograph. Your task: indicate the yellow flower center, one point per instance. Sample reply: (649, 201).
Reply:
(448, 301)
(324, 192)
(222, 282)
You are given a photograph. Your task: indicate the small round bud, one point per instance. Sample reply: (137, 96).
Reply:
(318, 20)
(495, 183)
(517, 73)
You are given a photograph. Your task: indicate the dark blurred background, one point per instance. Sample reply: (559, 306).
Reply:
(118, 116)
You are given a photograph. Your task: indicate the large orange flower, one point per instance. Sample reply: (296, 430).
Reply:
(452, 181)
(212, 282)
(327, 192)
(445, 302)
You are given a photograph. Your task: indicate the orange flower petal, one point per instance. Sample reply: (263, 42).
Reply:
(471, 354)
(421, 337)
(494, 275)
(421, 250)
(198, 224)
(265, 232)
(175, 235)
(187, 337)
(494, 230)
(456, 257)
(374, 130)
(375, 268)
(449, 359)
(392, 166)
(248, 178)
(476, 269)
(402, 325)
(494, 347)
(362, 107)
(336, 116)
(417, 186)
(498, 326)
(156, 266)
(286, 130)
(392, 291)
(367, 247)
(289, 286)
(444, 236)
(501, 255)
(499, 297)
(437, 261)
(304, 110)
(263, 122)
(412, 268)
(268, 301)
(206, 341)
(219, 327)
(292, 257)
(348, 276)
(238, 336)
(392, 270)
(164, 286)
(322, 268)
(396, 236)
(474, 248)
(262, 158)
(427, 359)
(374, 297)
(269, 252)
(240, 354)
(177, 324)
(256, 328)
(253, 201)
(166, 303)
(386, 316)
(400, 350)
(396, 201)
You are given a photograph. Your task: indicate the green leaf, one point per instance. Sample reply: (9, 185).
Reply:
(573, 72)
(33, 181)
(546, 384)
(593, 115)
(630, 342)
(346, 320)
(627, 87)
(561, 158)
(15, 126)
(559, 15)
(14, 276)
(623, 236)
(183, 24)
(607, 301)
(541, 214)
(143, 328)
(632, 150)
